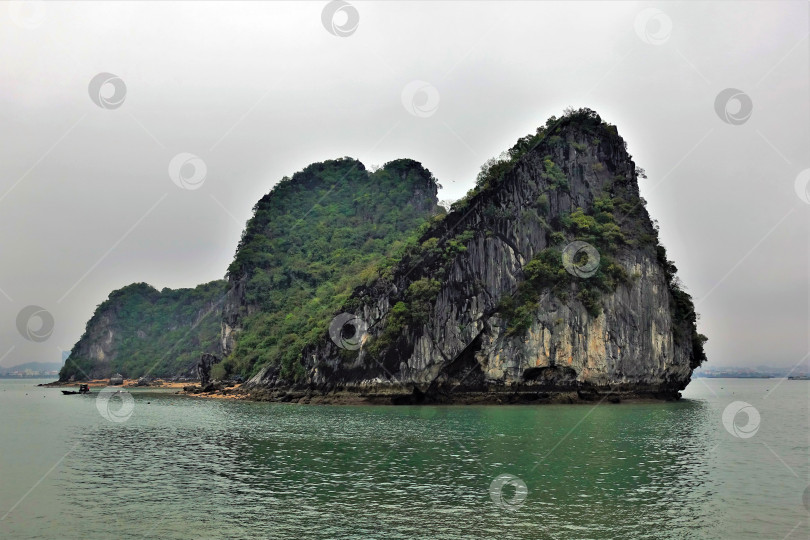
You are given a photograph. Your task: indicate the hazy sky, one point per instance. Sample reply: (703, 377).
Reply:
(258, 90)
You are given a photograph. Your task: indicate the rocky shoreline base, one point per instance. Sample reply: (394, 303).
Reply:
(414, 396)
(399, 395)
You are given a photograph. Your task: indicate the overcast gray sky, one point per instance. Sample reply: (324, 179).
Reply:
(258, 90)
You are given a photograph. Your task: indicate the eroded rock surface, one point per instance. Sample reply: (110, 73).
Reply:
(640, 344)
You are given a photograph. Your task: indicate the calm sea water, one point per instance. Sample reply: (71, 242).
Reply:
(159, 465)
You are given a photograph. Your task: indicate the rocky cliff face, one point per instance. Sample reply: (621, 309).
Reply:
(546, 282)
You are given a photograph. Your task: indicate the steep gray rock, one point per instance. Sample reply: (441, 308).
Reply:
(641, 343)
(204, 365)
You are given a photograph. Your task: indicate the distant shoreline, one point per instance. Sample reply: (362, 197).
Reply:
(25, 377)
(792, 377)
(739, 377)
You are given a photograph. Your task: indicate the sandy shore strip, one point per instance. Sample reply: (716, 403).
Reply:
(182, 387)
(220, 395)
(128, 383)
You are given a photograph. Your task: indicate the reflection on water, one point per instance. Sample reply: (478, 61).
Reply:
(182, 467)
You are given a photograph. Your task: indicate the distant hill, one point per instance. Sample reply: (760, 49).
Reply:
(139, 330)
(31, 366)
(750, 371)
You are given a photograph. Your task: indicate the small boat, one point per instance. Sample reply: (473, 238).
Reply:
(83, 389)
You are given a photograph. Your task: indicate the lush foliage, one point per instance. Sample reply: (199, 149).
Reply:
(159, 333)
(310, 242)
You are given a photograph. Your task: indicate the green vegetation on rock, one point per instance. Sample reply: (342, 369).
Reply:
(310, 242)
(335, 235)
(440, 241)
(546, 272)
(599, 227)
(139, 330)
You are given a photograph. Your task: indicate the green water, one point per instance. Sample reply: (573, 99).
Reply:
(181, 467)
